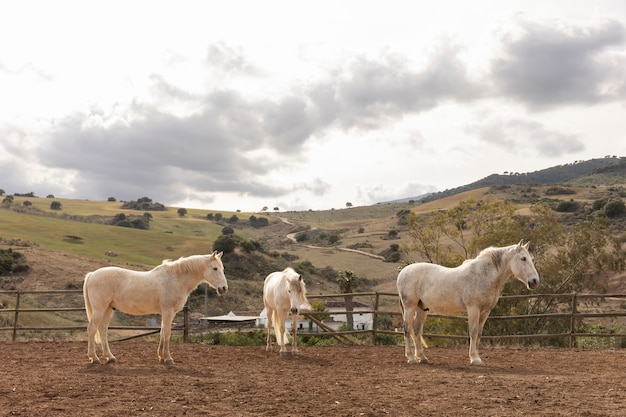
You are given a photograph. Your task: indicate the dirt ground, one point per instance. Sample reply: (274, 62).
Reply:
(55, 379)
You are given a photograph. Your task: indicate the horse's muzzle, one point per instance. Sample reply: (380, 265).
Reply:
(533, 283)
(222, 290)
(294, 310)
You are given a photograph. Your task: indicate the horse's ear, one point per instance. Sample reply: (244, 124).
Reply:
(526, 245)
(218, 255)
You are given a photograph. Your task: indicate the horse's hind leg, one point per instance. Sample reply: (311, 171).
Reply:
(103, 329)
(420, 318)
(92, 329)
(409, 334)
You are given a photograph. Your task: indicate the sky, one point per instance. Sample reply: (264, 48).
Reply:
(301, 105)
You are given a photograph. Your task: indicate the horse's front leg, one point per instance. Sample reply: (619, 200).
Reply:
(294, 330)
(163, 351)
(282, 339)
(474, 327)
(268, 345)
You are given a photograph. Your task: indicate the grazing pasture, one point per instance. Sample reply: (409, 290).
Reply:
(53, 379)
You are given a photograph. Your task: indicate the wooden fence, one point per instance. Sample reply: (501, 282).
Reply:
(570, 312)
(17, 311)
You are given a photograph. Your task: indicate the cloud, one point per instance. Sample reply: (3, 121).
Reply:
(548, 63)
(520, 136)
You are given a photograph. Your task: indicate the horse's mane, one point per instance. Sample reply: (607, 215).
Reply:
(494, 254)
(190, 265)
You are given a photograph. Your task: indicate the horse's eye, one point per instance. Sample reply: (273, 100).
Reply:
(215, 268)
(523, 258)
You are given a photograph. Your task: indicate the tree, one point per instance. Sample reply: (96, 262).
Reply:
(347, 282)
(224, 243)
(348, 204)
(182, 212)
(55, 205)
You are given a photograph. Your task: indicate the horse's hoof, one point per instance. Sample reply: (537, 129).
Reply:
(168, 362)
(477, 362)
(423, 361)
(412, 361)
(111, 360)
(283, 352)
(94, 361)
(295, 352)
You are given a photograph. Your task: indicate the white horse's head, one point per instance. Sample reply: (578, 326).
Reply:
(214, 273)
(522, 266)
(297, 291)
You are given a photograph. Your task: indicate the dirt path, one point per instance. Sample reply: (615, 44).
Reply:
(54, 379)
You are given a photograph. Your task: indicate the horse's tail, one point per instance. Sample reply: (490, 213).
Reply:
(88, 304)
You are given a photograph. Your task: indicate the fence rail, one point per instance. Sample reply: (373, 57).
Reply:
(572, 300)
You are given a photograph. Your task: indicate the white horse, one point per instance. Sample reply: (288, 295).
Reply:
(162, 290)
(284, 291)
(473, 288)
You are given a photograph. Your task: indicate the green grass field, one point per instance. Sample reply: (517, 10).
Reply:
(169, 236)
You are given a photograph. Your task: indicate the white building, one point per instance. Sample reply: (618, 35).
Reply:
(335, 319)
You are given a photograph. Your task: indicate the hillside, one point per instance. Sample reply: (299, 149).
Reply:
(593, 171)
(62, 246)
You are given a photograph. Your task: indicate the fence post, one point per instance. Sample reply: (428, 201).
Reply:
(375, 319)
(17, 309)
(572, 327)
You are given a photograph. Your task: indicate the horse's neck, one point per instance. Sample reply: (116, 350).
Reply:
(188, 279)
(503, 271)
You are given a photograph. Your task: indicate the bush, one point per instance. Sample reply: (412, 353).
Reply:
(226, 244)
(12, 262)
(614, 208)
(567, 206)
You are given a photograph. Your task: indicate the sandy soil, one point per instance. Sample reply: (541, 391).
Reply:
(55, 379)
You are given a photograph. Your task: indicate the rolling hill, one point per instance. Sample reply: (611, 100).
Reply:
(63, 245)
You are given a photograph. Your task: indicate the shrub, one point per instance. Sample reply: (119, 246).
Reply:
(567, 206)
(614, 208)
(225, 244)
(12, 262)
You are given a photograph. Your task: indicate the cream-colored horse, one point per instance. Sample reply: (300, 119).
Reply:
(472, 288)
(283, 292)
(162, 290)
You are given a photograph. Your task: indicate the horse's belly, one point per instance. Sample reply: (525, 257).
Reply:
(135, 308)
